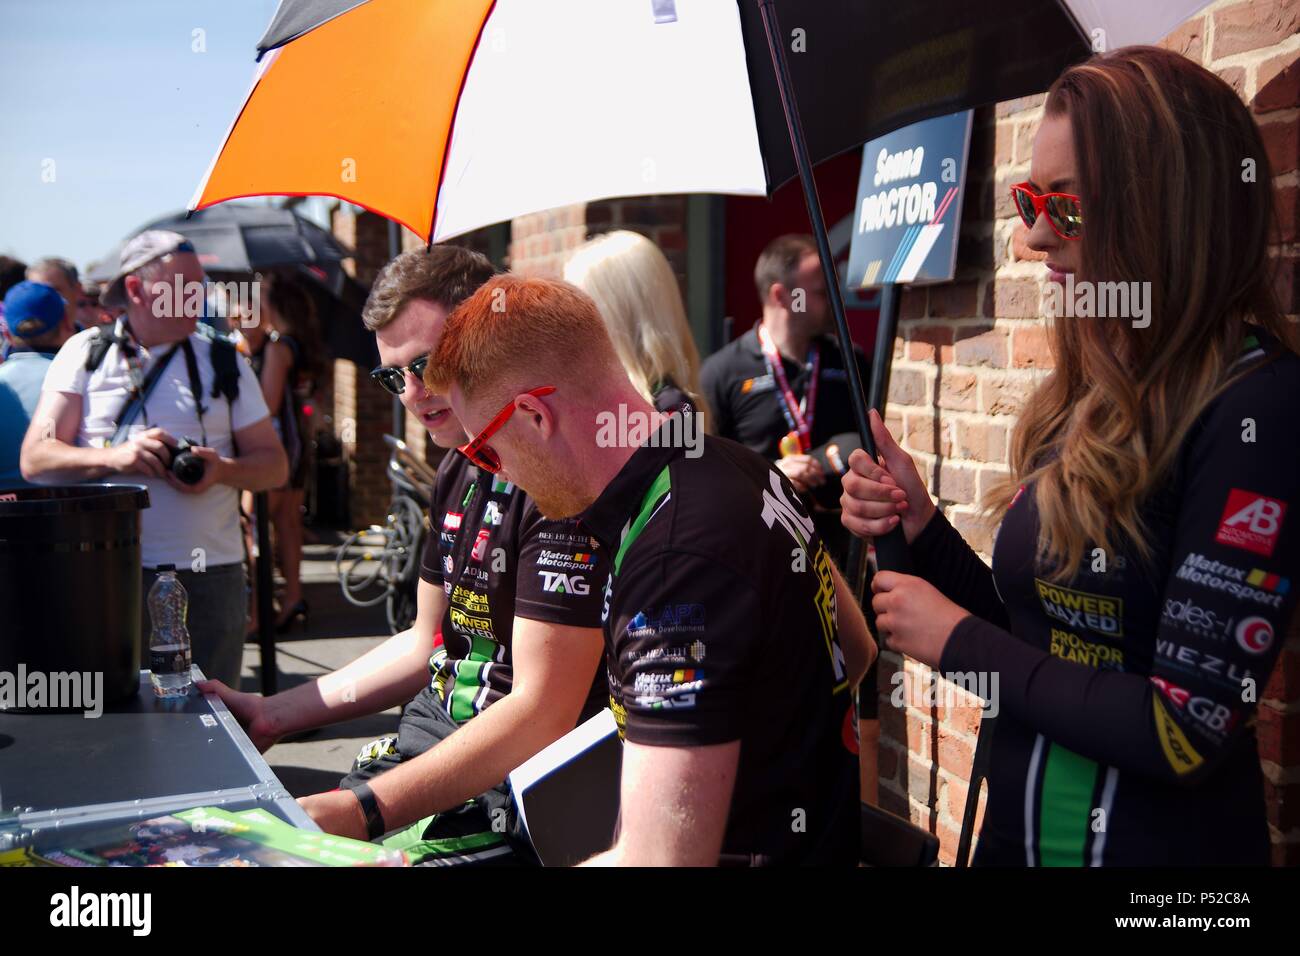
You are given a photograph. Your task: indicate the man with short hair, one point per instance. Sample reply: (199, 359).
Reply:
(781, 388)
(38, 326)
(61, 275)
(115, 404)
(504, 655)
(723, 613)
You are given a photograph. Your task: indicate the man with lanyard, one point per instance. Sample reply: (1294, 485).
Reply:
(38, 326)
(115, 406)
(781, 389)
(732, 643)
(503, 657)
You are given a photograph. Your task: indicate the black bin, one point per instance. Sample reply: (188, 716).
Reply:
(70, 582)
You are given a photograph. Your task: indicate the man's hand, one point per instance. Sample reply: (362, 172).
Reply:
(338, 812)
(250, 710)
(144, 453)
(912, 616)
(214, 472)
(804, 471)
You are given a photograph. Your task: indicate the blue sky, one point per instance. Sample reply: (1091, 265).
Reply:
(114, 93)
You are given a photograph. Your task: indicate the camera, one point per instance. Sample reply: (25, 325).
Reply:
(184, 464)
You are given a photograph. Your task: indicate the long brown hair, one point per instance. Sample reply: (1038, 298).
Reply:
(297, 319)
(1177, 192)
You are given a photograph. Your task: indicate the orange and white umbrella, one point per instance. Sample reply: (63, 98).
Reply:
(447, 115)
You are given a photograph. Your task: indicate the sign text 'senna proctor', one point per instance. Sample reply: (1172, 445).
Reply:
(909, 204)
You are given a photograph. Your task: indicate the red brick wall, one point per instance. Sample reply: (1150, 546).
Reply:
(363, 412)
(971, 351)
(541, 242)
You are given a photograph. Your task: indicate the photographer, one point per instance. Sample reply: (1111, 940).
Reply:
(118, 402)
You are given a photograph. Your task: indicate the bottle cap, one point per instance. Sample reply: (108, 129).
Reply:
(166, 567)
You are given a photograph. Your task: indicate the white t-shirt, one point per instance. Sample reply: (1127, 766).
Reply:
(175, 524)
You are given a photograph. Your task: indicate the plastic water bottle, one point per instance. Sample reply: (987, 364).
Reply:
(169, 642)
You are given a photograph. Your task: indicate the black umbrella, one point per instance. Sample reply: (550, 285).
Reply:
(244, 238)
(236, 237)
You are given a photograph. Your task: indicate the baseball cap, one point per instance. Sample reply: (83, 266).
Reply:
(138, 251)
(32, 309)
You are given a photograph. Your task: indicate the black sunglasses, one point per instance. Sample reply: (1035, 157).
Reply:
(393, 377)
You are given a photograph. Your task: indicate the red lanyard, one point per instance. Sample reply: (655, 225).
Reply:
(798, 415)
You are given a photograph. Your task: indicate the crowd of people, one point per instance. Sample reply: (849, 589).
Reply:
(700, 596)
(75, 359)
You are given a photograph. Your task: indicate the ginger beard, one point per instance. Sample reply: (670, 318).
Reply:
(541, 475)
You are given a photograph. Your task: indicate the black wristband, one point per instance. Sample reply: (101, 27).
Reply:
(370, 807)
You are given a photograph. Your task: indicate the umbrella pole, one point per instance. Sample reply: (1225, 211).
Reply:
(265, 607)
(891, 549)
(395, 250)
(858, 572)
(877, 392)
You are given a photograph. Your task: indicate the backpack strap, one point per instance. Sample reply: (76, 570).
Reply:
(225, 369)
(103, 337)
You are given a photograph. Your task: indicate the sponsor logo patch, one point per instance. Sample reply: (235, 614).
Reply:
(655, 686)
(1251, 522)
(480, 546)
(1255, 585)
(471, 601)
(1201, 663)
(578, 561)
(678, 654)
(1180, 753)
(1216, 718)
(1187, 616)
(1255, 635)
(1071, 647)
(667, 619)
(1078, 609)
(468, 624)
(557, 582)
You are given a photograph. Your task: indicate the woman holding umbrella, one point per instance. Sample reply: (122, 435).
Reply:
(1139, 594)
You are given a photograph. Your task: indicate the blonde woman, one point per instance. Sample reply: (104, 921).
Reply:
(637, 294)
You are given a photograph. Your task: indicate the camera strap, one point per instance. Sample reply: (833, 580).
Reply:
(196, 387)
(140, 390)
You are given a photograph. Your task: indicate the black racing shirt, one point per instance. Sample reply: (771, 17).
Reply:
(496, 557)
(1126, 732)
(746, 400)
(720, 625)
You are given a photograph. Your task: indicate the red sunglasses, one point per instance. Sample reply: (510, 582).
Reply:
(1064, 211)
(477, 449)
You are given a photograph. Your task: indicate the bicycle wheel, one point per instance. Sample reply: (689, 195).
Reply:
(359, 573)
(402, 557)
